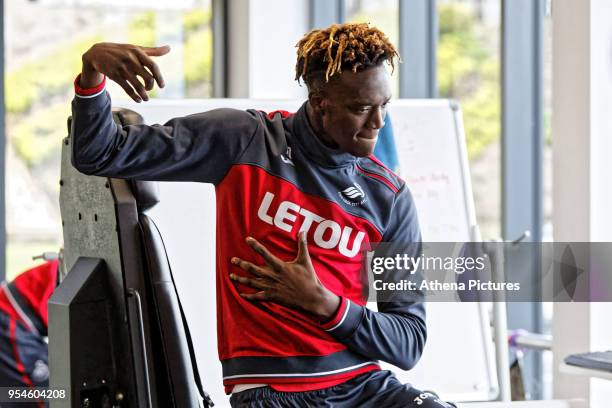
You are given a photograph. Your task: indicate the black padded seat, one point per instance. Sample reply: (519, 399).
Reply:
(173, 366)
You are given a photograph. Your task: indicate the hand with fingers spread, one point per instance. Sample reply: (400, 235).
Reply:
(293, 284)
(128, 65)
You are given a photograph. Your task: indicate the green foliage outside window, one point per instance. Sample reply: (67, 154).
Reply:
(37, 92)
(196, 20)
(197, 57)
(46, 77)
(141, 29)
(469, 73)
(34, 139)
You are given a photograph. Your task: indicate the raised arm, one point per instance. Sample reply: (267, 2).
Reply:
(199, 147)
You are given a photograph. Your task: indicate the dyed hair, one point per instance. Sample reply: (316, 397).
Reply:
(323, 53)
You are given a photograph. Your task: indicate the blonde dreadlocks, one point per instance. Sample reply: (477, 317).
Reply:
(324, 53)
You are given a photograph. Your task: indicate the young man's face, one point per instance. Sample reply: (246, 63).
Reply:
(352, 109)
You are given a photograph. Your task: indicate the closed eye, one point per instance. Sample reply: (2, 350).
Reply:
(367, 108)
(362, 109)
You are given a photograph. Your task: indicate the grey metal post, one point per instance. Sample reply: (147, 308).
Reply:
(219, 63)
(418, 43)
(522, 128)
(326, 12)
(522, 151)
(238, 66)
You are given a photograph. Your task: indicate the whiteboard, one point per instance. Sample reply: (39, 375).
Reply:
(433, 162)
(458, 359)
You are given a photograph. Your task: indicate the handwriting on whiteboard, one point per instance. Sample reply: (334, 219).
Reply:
(434, 177)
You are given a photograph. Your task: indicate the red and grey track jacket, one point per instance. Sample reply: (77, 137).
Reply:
(23, 326)
(274, 178)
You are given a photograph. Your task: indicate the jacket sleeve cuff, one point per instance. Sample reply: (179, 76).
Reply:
(345, 321)
(88, 92)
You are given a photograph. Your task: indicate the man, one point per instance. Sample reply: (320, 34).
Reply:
(23, 328)
(292, 326)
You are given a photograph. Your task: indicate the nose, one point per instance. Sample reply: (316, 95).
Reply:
(377, 119)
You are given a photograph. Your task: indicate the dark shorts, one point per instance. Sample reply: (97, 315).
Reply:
(375, 389)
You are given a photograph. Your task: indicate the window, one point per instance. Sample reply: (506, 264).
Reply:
(44, 43)
(383, 14)
(469, 71)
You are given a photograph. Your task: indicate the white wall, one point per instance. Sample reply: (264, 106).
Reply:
(261, 47)
(582, 125)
